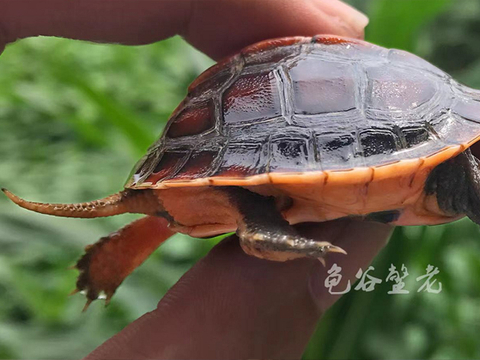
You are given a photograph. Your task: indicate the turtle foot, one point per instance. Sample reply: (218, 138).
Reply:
(98, 276)
(110, 260)
(282, 247)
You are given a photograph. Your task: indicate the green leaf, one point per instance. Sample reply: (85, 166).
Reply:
(395, 23)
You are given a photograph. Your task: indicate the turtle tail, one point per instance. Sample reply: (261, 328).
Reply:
(131, 201)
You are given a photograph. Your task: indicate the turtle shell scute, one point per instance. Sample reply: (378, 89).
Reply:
(192, 120)
(251, 97)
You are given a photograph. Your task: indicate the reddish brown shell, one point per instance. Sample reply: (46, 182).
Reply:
(291, 109)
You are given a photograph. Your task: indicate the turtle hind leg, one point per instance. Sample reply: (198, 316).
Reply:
(264, 233)
(111, 259)
(456, 184)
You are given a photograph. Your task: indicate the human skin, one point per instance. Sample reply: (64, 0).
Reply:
(229, 305)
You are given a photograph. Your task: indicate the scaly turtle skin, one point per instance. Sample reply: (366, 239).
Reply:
(288, 131)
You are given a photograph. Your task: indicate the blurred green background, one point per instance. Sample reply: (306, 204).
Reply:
(74, 118)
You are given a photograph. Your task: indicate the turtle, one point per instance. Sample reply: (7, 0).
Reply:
(287, 131)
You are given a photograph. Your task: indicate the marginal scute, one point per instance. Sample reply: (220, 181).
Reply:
(335, 150)
(241, 159)
(288, 154)
(377, 142)
(251, 97)
(144, 167)
(415, 135)
(198, 165)
(168, 165)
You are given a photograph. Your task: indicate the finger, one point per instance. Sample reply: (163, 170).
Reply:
(361, 240)
(231, 305)
(120, 21)
(221, 28)
(217, 27)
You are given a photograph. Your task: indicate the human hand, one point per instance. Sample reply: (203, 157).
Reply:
(229, 305)
(234, 306)
(216, 27)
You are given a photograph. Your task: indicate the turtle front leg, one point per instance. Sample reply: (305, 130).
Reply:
(111, 259)
(264, 233)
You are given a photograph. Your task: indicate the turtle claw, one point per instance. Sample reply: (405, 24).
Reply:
(322, 261)
(107, 298)
(73, 292)
(326, 248)
(87, 304)
(335, 249)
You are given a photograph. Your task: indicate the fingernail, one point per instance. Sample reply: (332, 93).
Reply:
(357, 18)
(352, 19)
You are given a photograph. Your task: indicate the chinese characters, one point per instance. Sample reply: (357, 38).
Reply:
(367, 282)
